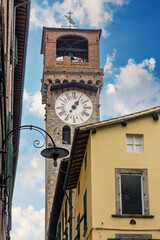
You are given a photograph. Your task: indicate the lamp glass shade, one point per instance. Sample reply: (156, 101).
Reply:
(55, 152)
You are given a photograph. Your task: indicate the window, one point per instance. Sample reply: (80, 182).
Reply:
(85, 161)
(66, 135)
(132, 196)
(78, 187)
(66, 213)
(78, 227)
(134, 236)
(134, 143)
(85, 211)
(70, 214)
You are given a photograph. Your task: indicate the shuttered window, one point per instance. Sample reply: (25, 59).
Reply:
(85, 211)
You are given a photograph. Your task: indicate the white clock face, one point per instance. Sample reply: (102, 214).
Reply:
(73, 107)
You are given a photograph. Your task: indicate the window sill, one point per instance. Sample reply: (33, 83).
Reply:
(132, 216)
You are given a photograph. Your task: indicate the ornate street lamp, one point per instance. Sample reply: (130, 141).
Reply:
(52, 152)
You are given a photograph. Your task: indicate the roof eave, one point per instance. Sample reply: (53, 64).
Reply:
(17, 120)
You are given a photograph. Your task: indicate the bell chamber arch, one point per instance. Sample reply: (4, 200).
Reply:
(73, 46)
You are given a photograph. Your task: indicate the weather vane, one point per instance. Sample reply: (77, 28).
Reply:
(70, 20)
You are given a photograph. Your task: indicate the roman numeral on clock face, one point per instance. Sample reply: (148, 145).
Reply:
(64, 101)
(61, 113)
(85, 101)
(85, 114)
(60, 107)
(74, 95)
(67, 96)
(66, 118)
(74, 120)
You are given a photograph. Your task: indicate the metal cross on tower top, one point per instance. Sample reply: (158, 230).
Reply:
(70, 20)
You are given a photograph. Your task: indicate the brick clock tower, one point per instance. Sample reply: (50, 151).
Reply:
(71, 84)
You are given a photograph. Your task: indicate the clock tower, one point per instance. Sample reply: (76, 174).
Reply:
(71, 84)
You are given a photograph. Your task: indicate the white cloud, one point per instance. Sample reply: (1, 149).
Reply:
(108, 67)
(28, 224)
(150, 63)
(32, 103)
(89, 13)
(134, 88)
(32, 173)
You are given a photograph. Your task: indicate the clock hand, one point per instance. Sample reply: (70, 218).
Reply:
(73, 107)
(77, 103)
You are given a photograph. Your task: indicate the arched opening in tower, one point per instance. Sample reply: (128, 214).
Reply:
(73, 46)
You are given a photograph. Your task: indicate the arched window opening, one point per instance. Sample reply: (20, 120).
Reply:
(99, 83)
(81, 81)
(49, 80)
(73, 46)
(57, 81)
(89, 82)
(66, 135)
(65, 81)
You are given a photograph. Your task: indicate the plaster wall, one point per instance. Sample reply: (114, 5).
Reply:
(108, 151)
(85, 184)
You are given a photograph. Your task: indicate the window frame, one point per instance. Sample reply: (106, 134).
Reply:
(133, 236)
(144, 189)
(134, 136)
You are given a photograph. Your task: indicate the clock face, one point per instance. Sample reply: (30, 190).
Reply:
(73, 107)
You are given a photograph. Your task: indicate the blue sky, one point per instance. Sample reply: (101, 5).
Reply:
(129, 54)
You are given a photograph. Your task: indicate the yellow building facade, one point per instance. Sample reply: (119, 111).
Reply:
(115, 168)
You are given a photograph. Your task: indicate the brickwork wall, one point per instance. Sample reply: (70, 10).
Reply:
(50, 40)
(55, 72)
